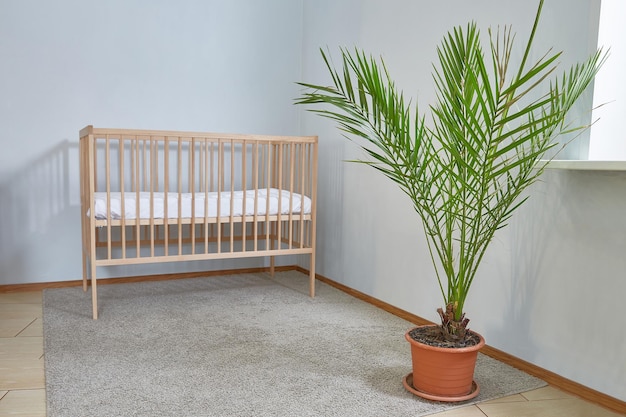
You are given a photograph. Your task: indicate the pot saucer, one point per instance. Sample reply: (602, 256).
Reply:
(407, 381)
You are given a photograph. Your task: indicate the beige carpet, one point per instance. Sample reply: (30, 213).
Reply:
(239, 345)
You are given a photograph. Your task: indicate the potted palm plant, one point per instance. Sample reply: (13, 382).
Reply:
(464, 164)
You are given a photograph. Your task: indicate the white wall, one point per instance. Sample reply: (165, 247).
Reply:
(199, 65)
(550, 281)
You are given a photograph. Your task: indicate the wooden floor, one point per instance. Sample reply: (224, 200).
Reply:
(22, 387)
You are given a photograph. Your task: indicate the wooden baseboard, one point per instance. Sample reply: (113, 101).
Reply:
(551, 378)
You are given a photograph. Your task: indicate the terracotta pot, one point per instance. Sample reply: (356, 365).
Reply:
(443, 374)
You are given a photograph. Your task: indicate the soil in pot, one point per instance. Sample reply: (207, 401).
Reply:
(433, 336)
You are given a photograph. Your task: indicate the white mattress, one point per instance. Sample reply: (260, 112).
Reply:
(130, 204)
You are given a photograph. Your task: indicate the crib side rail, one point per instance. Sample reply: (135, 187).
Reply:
(187, 195)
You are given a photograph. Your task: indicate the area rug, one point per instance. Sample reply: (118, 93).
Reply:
(236, 345)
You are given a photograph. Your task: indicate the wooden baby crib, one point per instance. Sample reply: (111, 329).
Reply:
(164, 196)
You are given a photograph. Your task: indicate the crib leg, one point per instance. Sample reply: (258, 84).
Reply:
(272, 266)
(94, 293)
(312, 276)
(84, 272)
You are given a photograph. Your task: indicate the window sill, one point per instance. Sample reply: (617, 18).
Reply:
(586, 165)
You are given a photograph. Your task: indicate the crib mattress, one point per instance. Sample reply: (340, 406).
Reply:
(243, 203)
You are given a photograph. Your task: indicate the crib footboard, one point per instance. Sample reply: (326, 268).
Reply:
(164, 196)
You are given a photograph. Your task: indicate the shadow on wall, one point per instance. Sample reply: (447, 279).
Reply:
(38, 215)
(331, 201)
(529, 257)
(569, 282)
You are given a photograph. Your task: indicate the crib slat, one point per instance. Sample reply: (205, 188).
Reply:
(137, 229)
(220, 185)
(244, 162)
(267, 223)
(301, 178)
(292, 167)
(232, 196)
(255, 181)
(152, 180)
(278, 229)
(213, 180)
(154, 184)
(192, 190)
(108, 188)
(166, 176)
(145, 154)
(207, 184)
(122, 201)
(179, 190)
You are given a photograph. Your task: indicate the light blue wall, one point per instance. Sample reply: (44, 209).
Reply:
(550, 281)
(198, 65)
